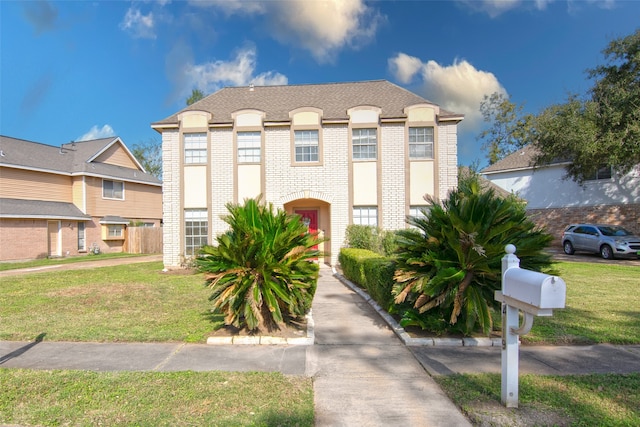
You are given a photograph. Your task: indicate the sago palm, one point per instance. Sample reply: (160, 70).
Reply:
(449, 265)
(261, 269)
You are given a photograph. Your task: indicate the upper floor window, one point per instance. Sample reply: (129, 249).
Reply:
(365, 215)
(421, 143)
(306, 144)
(602, 173)
(365, 144)
(248, 147)
(112, 189)
(195, 148)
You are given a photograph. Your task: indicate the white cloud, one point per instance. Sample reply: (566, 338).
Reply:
(96, 133)
(321, 27)
(139, 25)
(458, 87)
(211, 76)
(494, 8)
(324, 27)
(404, 67)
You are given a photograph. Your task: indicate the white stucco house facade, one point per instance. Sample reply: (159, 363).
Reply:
(555, 201)
(337, 154)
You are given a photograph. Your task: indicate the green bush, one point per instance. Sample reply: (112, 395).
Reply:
(371, 271)
(374, 239)
(261, 270)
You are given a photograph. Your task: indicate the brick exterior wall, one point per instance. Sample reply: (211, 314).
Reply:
(394, 186)
(171, 204)
(284, 183)
(555, 220)
(447, 159)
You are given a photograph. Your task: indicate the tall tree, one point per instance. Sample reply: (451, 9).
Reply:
(196, 95)
(604, 129)
(508, 127)
(149, 154)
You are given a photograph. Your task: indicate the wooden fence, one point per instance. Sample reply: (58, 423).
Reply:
(143, 240)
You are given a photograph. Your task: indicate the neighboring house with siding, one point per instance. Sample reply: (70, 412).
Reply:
(64, 200)
(337, 154)
(555, 202)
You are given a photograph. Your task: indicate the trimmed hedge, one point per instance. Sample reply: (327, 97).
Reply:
(371, 271)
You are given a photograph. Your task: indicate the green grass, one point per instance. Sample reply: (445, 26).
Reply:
(574, 400)
(82, 398)
(129, 303)
(601, 307)
(69, 260)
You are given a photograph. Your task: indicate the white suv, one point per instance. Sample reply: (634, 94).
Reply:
(610, 241)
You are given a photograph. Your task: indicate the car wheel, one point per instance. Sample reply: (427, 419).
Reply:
(606, 252)
(568, 248)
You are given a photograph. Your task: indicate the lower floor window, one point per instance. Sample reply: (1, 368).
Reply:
(365, 215)
(82, 238)
(115, 230)
(196, 230)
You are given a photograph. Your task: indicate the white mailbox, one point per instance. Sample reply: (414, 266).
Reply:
(539, 290)
(533, 293)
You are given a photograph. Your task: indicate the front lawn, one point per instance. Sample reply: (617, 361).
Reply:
(82, 398)
(128, 303)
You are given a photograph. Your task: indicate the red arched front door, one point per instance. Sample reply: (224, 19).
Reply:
(309, 217)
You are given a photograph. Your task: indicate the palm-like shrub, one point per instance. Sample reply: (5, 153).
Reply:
(449, 265)
(261, 270)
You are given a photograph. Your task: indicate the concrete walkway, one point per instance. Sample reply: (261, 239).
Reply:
(363, 374)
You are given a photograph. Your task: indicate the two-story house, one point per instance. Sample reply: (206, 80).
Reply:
(73, 198)
(337, 154)
(554, 201)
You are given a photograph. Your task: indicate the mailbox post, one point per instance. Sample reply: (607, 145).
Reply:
(533, 293)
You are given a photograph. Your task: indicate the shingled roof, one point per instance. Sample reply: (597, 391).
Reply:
(19, 208)
(76, 158)
(334, 99)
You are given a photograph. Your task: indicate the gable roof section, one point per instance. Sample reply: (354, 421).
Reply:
(39, 209)
(334, 99)
(520, 159)
(75, 158)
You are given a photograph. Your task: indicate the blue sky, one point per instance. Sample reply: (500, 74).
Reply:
(73, 70)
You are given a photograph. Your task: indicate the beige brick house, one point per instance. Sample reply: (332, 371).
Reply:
(337, 154)
(66, 200)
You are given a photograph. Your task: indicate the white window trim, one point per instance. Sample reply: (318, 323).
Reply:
(368, 144)
(195, 152)
(430, 145)
(112, 189)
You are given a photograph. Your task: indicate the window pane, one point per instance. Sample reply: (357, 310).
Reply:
(195, 148)
(81, 237)
(421, 142)
(364, 144)
(306, 145)
(365, 215)
(196, 230)
(113, 189)
(248, 147)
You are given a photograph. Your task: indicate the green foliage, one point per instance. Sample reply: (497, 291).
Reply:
(196, 95)
(600, 130)
(509, 129)
(380, 241)
(451, 265)
(371, 271)
(261, 271)
(352, 263)
(149, 154)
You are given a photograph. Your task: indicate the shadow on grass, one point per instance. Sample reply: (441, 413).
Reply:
(22, 349)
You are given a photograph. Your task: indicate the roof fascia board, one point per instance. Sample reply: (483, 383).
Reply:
(29, 168)
(36, 216)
